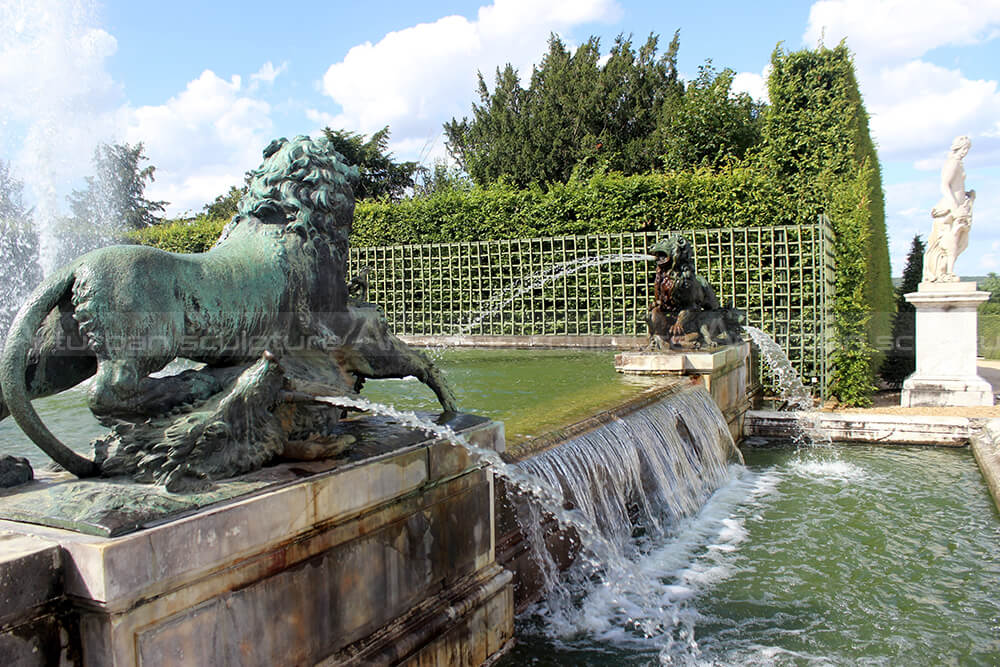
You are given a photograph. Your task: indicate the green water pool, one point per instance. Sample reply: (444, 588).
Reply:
(531, 391)
(844, 556)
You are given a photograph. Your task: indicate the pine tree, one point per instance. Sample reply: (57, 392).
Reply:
(19, 268)
(900, 361)
(381, 176)
(115, 195)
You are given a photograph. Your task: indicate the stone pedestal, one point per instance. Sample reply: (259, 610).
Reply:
(946, 342)
(725, 372)
(383, 556)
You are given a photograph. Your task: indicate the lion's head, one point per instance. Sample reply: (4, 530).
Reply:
(673, 253)
(305, 183)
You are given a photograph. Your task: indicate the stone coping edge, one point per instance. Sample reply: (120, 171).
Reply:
(985, 445)
(855, 427)
(559, 436)
(536, 341)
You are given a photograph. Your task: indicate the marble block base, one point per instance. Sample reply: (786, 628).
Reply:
(946, 347)
(725, 372)
(386, 559)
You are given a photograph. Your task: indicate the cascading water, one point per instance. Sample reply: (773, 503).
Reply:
(635, 479)
(793, 393)
(665, 460)
(790, 387)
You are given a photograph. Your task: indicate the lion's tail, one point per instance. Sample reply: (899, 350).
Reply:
(14, 363)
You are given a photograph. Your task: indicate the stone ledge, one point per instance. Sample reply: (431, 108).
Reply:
(673, 362)
(30, 574)
(110, 571)
(863, 428)
(985, 444)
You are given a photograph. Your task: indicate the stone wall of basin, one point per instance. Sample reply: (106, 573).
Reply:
(385, 560)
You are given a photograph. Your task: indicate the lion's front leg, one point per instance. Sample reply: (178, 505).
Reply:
(377, 353)
(678, 328)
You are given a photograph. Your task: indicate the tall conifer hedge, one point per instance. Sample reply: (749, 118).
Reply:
(815, 156)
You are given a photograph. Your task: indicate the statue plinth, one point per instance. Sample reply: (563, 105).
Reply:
(946, 345)
(725, 372)
(384, 555)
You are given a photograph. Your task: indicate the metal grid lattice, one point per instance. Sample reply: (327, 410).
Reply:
(782, 277)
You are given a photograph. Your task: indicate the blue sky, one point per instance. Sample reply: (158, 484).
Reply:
(205, 85)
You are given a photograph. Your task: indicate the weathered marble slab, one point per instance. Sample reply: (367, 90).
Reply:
(385, 554)
(112, 507)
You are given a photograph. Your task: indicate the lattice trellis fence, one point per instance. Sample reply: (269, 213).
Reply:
(599, 285)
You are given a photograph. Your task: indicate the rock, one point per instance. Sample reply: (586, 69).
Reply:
(14, 470)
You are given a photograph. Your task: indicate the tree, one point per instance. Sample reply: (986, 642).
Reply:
(115, 195)
(19, 267)
(991, 284)
(900, 360)
(576, 116)
(381, 177)
(711, 126)
(224, 206)
(442, 177)
(818, 147)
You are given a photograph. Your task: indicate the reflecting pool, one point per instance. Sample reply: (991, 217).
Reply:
(849, 555)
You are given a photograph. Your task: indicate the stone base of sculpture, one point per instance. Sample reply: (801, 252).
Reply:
(725, 372)
(946, 347)
(382, 555)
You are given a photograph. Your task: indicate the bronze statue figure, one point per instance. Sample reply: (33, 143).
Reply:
(685, 313)
(267, 310)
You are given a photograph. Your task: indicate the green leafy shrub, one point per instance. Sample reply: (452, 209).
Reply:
(187, 236)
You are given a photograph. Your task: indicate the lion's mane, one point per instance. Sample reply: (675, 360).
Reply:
(306, 182)
(307, 186)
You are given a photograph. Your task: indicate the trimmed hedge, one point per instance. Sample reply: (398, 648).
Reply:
(607, 203)
(195, 235)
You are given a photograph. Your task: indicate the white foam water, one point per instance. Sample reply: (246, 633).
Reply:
(651, 470)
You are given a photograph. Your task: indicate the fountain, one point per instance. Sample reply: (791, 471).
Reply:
(276, 516)
(224, 492)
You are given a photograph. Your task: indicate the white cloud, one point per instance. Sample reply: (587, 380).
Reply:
(201, 140)
(880, 31)
(755, 85)
(415, 79)
(916, 107)
(266, 74)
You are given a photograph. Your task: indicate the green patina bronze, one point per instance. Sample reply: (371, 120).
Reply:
(267, 310)
(686, 313)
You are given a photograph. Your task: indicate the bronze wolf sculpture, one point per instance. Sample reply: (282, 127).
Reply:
(275, 282)
(686, 313)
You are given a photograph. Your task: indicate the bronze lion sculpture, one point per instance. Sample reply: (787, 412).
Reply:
(685, 313)
(274, 283)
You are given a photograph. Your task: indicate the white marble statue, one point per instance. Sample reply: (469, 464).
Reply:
(952, 218)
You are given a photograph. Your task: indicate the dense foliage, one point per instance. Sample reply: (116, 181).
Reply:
(381, 176)
(116, 192)
(185, 235)
(817, 147)
(730, 197)
(580, 115)
(901, 359)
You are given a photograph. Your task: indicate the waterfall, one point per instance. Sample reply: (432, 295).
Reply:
(638, 474)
